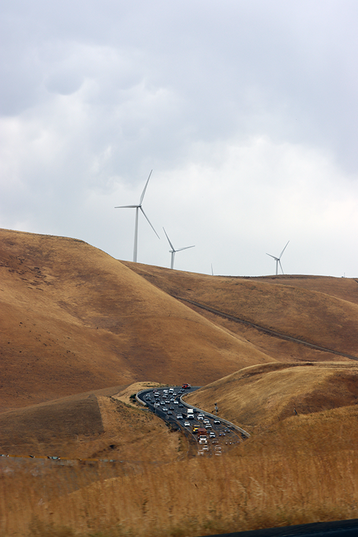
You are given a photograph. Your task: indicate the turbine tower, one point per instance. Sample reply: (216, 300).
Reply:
(278, 259)
(173, 250)
(137, 208)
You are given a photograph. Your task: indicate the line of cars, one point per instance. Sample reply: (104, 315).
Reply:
(166, 400)
(210, 433)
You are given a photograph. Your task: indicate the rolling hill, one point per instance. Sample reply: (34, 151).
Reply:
(263, 395)
(74, 319)
(81, 332)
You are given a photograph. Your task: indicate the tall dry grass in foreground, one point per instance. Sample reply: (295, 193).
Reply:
(300, 471)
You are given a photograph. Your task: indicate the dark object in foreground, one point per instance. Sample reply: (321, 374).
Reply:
(339, 528)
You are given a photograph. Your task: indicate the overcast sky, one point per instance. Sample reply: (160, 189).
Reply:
(246, 110)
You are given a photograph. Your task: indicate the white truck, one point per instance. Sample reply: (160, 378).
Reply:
(190, 414)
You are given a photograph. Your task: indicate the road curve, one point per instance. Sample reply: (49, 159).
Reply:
(215, 435)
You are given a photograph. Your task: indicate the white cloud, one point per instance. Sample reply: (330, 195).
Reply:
(246, 111)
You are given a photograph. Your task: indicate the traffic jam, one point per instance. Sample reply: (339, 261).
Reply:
(211, 435)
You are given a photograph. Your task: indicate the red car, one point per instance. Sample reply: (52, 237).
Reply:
(186, 386)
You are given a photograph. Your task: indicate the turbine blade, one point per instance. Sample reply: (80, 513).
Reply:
(281, 266)
(171, 246)
(273, 257)
(127, 207)
(144, 189)
(149, 222)
(185, 248)
(283, 250)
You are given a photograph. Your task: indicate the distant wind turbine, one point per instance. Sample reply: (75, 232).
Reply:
(278, 259)
(137, 208)
(173, 250)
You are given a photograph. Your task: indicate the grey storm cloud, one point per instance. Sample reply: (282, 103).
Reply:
(246, 111)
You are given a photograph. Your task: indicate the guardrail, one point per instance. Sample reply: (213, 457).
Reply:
(242, 431)
(142, 391)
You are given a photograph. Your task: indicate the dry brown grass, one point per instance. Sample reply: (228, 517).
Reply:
(91, 425)
(259, 396)
(320, 310)
(301, 470)
(75, 320)
(78, 322)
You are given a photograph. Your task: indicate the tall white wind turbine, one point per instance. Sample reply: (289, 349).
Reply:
(278, 259)
(137, 208)
(173, 250)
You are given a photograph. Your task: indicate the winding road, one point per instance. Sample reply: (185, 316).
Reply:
(215, 435)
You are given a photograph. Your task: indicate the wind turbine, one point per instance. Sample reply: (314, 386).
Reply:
(137, 208)
(278, 259)
(173, 250)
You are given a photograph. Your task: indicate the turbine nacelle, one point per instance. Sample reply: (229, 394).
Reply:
(138, 208)
(278, 259)
(173, 251)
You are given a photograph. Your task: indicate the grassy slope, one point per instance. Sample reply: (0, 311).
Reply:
(83, 321)
(75, 319)
(90, 425)
(259, 396)
(297, 469)
(320, 310)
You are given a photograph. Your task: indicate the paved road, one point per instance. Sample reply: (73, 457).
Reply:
(168, 405)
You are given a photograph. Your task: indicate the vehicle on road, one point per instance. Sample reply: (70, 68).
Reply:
(195, 428)
(186, 424)
(180, 417)
(203, 441)
(217, 422)
(186, 386)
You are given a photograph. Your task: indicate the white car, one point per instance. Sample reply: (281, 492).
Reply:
(186, 424)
